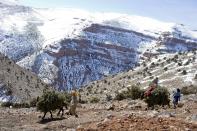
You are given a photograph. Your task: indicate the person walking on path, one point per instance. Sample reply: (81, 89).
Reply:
(176, 97)
(73, 105)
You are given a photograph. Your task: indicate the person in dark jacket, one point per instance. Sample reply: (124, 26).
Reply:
(156, 81)
(176, 97)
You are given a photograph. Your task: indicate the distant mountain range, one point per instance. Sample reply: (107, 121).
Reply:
(68, 48)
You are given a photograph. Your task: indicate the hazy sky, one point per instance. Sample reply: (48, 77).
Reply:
(178, 11)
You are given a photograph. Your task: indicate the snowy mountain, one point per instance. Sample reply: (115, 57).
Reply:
(68, 48)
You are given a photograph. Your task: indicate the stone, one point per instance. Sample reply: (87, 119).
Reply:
(111, 107)
(79, 127)
(106, 120)
(153, 113)
(166, 114)
(132, 102)
(194, 117)
(110, 116)
(180, 105)
(99, 124)
(70, 129)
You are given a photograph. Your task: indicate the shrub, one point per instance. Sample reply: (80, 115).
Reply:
(83, 101)
(15, 105)
(184, 72)
(166, 68)
(6, 104)
(120, 96)
(152, 65)
(8, 92)
(195, 76)
(159, 96)
(89, 89)
(168, 60)
(133, 92)
(186, 90)
(176, 57)
(21, 105)
(179, 64)
(94, 100)
(108, 97)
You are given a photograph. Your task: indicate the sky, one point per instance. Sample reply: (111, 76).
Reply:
(177, 11)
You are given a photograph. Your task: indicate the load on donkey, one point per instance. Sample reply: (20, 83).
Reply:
(51, 101)
(156, 95)
(151, 87)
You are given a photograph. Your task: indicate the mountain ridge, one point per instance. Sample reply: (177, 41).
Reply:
(68, 48)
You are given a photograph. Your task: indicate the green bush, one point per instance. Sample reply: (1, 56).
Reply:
(133, 92)
(94, 100)
(159, 96)
(166, 68)
(15, 105)
(6, 104)
(21, 105)
(108, 97)
(179, 64)
(186, 90)
(83, 101)
(184, 72)
(120, 96)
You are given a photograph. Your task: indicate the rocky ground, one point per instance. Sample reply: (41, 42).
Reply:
(127, 115)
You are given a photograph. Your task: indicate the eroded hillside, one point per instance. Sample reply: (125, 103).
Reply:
(18, 84)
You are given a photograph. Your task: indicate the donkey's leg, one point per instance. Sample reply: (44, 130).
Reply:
(62, 109)
(59, 112)
(51, 114)
(44, 115)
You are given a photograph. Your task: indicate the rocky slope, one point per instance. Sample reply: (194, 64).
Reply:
(68, 48)
(18, 84)
(173, 70)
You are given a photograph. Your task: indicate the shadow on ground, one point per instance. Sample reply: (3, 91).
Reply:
(44, 121)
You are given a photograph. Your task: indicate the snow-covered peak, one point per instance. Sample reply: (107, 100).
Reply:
(9, 2)
(131, 22)
(58, 23)
(134, 22)
(185, 32)
(69, 23)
